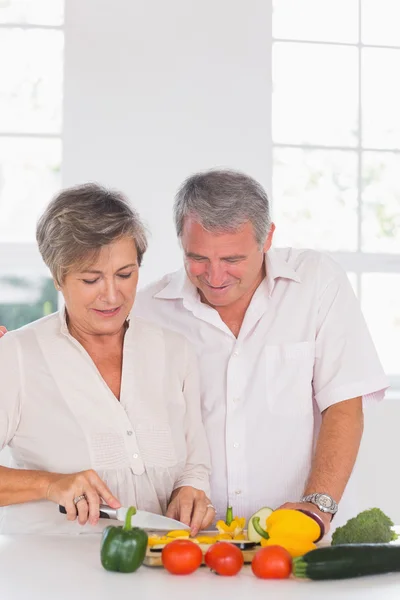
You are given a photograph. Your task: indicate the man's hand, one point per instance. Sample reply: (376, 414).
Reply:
(325, 517)
(192, 507)
(3, 331)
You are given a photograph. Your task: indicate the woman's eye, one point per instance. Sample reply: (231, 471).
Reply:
(90, 281)
(125, 276)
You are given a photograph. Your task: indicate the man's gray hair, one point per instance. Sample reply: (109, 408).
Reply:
(79, 221)
(223, 200)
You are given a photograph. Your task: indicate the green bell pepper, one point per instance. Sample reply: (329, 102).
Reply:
(123, 548)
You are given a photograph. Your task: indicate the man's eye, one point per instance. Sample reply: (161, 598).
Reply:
(125, 275)
(90, 281)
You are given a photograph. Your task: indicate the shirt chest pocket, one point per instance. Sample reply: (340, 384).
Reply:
(289, 376)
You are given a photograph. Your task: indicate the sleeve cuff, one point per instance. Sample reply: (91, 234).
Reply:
(370, 391)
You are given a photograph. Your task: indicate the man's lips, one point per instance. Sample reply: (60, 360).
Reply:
(220, 288)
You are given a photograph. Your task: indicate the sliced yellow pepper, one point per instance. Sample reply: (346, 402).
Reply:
(232, 525)
(206, 539)
(154, 540)
(178, 533)
(223, 536)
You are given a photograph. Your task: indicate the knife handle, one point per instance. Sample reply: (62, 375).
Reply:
(105, 513)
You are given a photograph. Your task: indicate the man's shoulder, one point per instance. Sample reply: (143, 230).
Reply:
(151, 289)
(307, 262)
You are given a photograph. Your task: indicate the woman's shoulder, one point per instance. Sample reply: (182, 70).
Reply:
(43, 326)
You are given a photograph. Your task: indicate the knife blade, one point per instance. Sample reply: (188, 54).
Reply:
(142, 518)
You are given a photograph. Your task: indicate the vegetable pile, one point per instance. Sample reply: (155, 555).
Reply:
(288, 546)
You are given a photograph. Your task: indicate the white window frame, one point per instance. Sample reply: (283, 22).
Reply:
(24, 257)
(357, 262)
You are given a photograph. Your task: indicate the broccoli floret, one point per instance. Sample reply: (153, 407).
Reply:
(369, 527)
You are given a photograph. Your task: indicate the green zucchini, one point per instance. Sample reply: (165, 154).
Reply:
(348, 560)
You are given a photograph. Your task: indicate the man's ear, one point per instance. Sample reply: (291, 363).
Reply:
(268, 240)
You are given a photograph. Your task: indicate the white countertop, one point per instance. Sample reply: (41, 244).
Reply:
(68, 568)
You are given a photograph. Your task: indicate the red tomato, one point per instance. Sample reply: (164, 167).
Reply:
(224, 558)
(272, 562)
(181, 557)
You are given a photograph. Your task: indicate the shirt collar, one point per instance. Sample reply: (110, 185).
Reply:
(180, 287)
(276, 267)
(62, 315)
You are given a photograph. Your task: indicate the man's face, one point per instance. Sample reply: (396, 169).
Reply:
(224, 266)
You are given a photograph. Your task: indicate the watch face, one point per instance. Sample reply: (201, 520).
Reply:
(324, 500)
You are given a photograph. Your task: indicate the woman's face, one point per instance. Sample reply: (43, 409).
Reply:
(100, 297)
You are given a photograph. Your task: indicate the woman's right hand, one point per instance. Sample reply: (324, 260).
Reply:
(62, 490)
(3, 331)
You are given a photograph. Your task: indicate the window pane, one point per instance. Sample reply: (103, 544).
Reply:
(25, 298)
(381, 202)
(315, 198)
(334, 21)
(35, 12)
(315, 97)
(29, 176)
(381, 98)
(381, 306)
(380, 22)
(31, 81)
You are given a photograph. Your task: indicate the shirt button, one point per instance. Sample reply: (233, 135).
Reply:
(238, 492)
(236, 353)
(236, 445)
(236, 399)
(135, 455)
(129, 432)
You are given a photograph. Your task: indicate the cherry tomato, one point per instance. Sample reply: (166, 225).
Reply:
(272, 562)
(181, 557)
(224, 558)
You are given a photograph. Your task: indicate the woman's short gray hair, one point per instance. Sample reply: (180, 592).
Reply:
(223, 200)
(79, 221)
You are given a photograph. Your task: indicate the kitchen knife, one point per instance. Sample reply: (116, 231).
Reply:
(142, 518)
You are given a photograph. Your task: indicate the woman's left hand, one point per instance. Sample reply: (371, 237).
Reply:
(192, 507)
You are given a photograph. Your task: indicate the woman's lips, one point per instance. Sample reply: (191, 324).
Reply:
(107, 313)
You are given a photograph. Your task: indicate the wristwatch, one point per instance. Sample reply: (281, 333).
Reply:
(324, 502)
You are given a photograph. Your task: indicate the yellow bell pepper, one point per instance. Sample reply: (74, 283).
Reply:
(293, 523)
(232, 525)
(290, 529)
(295, 546)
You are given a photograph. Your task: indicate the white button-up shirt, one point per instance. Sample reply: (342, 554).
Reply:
(57, 414)
(302, 347)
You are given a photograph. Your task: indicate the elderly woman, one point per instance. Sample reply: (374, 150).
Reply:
(96, 405)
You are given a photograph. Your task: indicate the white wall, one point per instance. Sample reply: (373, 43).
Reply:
(156, 90)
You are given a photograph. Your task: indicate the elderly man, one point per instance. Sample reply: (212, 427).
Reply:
(285, 355)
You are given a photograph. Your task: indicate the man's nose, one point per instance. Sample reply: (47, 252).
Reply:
(216, 275)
